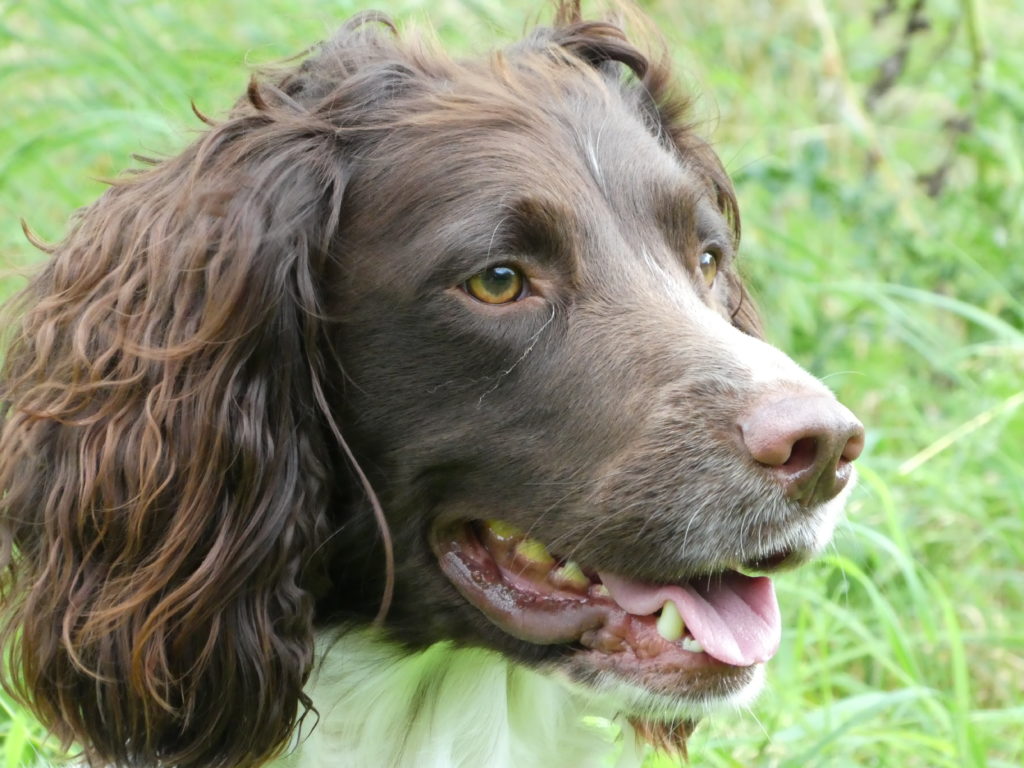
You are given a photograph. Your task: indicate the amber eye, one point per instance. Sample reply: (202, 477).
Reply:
(708, 267)
(496, 285)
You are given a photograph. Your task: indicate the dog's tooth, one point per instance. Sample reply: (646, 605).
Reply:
(691, 645)
(533, 553)
(600, 590)
(503, 531)
(670, 623)
(569, 576)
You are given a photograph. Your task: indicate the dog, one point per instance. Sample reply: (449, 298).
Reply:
(414, 415)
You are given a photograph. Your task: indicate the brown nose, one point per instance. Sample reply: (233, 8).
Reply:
(808, 442)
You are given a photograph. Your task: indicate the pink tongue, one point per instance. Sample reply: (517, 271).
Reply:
(734, 617)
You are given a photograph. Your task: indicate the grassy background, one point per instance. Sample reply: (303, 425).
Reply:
(878, 155)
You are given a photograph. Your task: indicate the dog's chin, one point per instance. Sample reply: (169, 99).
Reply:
(667, 698)
(615, 638)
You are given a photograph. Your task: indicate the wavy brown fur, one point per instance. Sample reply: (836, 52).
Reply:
(168, 455)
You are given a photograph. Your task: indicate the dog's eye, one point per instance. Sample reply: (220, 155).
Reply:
(497, 285)
(708, 267)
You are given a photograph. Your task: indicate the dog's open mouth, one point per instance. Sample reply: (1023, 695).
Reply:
(723, 619)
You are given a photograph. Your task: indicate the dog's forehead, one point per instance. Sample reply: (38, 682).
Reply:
(585, 159)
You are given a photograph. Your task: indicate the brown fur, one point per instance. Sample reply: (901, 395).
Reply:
(179, 507)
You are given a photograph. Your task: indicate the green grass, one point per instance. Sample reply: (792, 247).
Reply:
(904, 645)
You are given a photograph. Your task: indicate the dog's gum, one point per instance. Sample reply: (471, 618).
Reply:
(604, 640)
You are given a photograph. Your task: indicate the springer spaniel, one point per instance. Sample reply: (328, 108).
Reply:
(414, 415)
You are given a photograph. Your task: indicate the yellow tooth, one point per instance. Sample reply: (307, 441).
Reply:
(534, 553)
(569, 576)
(503, 531)
(670, 623)
(600, 590)
(691, 645)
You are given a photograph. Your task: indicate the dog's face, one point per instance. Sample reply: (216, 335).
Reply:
(506, 290)
(555, 378)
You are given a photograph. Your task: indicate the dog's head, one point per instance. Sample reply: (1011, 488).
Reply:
(502, 294)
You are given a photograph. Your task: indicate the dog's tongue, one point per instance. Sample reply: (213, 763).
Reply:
(734, 617)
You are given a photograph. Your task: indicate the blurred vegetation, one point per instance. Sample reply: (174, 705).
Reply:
(878, 152)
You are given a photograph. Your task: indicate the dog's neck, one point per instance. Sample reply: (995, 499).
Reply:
(446, 707)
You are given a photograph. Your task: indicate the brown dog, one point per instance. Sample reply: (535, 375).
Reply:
(445, 363)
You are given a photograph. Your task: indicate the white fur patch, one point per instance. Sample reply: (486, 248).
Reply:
(449, 707)
(768, 367)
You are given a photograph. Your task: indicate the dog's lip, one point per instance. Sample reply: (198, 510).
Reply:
(597, 619)
(508, 599)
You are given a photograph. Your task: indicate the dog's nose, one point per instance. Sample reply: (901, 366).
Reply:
(807, 441)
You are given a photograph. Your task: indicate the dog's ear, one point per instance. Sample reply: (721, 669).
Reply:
(164, 459)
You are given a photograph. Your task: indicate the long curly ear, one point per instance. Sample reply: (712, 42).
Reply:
(164, 457)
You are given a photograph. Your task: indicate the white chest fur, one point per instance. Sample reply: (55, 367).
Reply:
(446, 707)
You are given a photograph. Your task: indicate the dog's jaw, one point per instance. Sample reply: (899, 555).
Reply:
(601, 631)
(643, 705)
